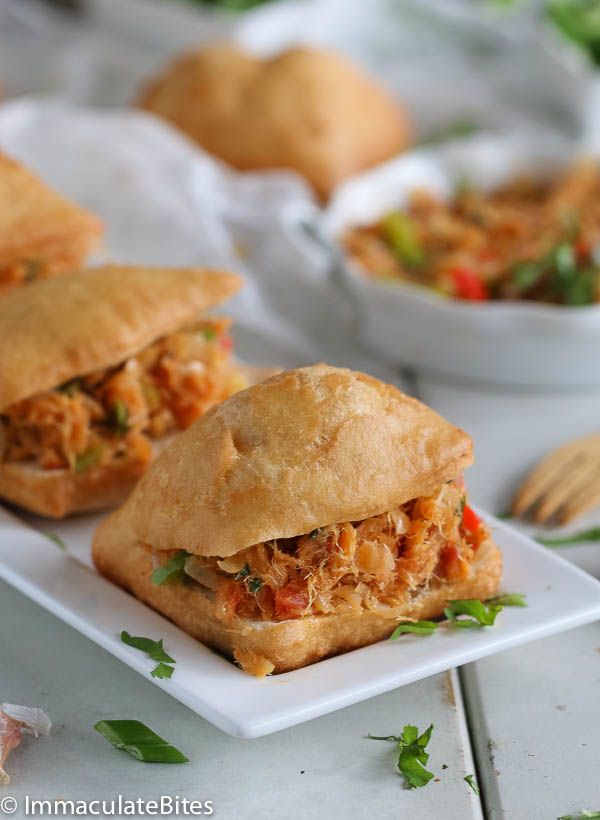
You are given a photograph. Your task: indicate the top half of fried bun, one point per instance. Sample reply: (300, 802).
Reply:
(303, 449)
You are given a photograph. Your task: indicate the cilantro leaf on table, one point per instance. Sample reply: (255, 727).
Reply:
(412, 757)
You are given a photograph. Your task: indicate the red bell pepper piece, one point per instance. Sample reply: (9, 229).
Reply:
(468, 285)
(470, 520)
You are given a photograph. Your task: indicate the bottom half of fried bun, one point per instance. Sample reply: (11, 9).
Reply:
(301, 518)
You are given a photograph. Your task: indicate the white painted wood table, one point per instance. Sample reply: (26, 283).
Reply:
(525, 721)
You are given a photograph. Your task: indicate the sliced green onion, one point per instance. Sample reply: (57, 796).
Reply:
(163, 670)
(576, 538)
(119, 417)
(565, 260)
(580, 291)
(415, 628)
(173, 570)
(508, 599)
(56, 538)
(139, 741)
(527, 274)
(88, 459)
(480, 614)
(209, 334)
(400, 233)
(470, 779)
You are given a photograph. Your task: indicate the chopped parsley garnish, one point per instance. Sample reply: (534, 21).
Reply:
(479, 613)
(577, 538)
(56, 538)
(470, 779)
(586, 814)
(139, 741)
(173, 570)
(154, 649)
(88, 459)
(412, 757)
(415, 628)
(254, 585)
(119, 417)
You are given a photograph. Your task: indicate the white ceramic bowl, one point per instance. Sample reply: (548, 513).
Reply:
(509, 343)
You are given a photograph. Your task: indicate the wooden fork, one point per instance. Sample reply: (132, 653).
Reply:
(565, 484)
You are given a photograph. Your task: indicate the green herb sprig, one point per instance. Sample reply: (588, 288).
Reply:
(412, 757)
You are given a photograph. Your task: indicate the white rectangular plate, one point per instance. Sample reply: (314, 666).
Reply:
(559, 595)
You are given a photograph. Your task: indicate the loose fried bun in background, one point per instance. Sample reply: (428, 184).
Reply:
(37, 225)
(285, 645)
(309, 110)
(57, 329)
(301, 450)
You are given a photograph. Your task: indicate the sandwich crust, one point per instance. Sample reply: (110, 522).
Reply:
(305, 109)
(283, 645)
(57, 329)
(299, 451)
(58, 493)
(39, 226)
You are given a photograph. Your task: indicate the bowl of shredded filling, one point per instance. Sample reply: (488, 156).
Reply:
(477, 260)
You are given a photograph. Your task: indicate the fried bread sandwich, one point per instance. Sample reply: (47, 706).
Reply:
(41, 233)
(98, 370)
(302, 518)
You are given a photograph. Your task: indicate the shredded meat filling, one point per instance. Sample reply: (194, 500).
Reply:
(350, 567)
(115, 413)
